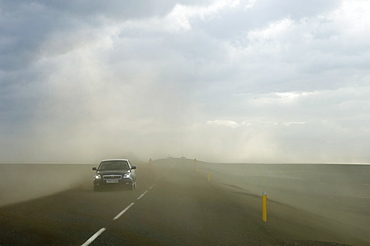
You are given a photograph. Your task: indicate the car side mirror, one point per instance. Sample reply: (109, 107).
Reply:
(94, 168)
(133, 167)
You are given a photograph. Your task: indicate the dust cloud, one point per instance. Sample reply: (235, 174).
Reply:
(21, 182)
(337, 192)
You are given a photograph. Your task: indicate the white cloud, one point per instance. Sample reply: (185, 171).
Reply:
(227, 123)
(273, 32)
(274, 98)
(182, 17)
(250, 4)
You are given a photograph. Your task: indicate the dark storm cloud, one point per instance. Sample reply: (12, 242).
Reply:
(25, 25)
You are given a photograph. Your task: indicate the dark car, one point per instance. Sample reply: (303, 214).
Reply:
(114, 173)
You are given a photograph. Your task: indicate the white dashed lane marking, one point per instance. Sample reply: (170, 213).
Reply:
(97, 234)
(123, 211)
(142, 195)
(93, 237)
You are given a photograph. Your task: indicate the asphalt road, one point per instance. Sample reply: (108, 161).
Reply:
(172, 205)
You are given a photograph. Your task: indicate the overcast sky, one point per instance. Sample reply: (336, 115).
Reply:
(224, 81)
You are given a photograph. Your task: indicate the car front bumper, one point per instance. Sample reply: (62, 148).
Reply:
(120, 183)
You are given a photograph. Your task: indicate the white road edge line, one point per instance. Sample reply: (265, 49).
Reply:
(123, 211)
(151, 187)
(93, 237)
(142, 195)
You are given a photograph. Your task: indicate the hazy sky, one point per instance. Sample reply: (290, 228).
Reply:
(224, 81)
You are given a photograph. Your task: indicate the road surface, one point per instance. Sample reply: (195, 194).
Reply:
(174, 204)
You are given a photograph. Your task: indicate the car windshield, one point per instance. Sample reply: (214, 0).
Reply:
(114, 165)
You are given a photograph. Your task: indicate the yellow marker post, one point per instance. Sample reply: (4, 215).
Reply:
(209, 176)
(264, 206)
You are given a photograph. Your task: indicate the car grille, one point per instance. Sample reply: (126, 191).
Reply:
(112, 176)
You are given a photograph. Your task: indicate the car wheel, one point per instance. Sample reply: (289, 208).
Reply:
(133, 186)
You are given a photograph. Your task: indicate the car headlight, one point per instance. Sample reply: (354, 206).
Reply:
(97, 176)
(126, 176)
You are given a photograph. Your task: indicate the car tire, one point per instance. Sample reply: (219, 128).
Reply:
(133, 186)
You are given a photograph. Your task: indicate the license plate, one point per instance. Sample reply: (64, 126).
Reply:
(112, 181)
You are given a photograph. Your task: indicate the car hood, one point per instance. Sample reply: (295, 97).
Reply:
(121, 172)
